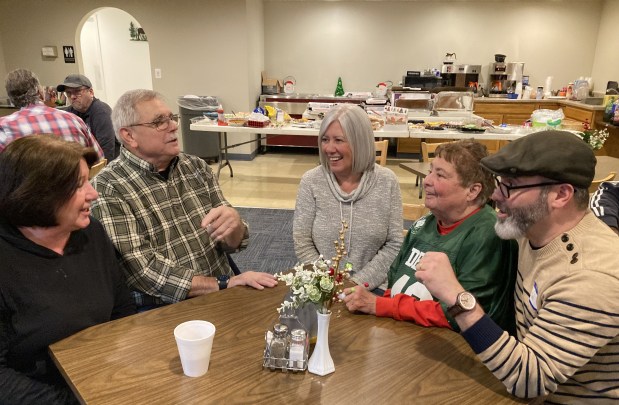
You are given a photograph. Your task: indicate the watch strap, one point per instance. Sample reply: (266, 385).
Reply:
(223, 281)
(457, 308)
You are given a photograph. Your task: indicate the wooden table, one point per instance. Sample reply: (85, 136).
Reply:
(605, 165)
(378, 360)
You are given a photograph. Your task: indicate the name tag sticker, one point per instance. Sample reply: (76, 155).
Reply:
(533, 297)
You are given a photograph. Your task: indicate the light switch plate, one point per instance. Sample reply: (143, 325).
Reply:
(157, 73)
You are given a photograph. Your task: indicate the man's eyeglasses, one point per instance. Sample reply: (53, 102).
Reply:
(75, 92)
(160, 124)
(505, 189)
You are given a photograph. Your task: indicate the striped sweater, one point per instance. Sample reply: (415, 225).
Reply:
(567, 318)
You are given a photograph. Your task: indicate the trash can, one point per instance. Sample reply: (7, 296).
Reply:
(199, 143)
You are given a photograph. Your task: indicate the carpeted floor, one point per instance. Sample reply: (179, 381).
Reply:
(270, 249)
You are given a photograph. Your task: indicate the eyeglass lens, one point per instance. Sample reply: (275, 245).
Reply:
(164, 122)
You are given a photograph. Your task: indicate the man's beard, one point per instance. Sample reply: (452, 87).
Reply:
(519, 220)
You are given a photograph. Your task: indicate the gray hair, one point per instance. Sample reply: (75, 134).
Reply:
(581, 198)
(125, 111)
(22, 87)
(358, 131)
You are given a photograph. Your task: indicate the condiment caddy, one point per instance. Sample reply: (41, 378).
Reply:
(286, 347)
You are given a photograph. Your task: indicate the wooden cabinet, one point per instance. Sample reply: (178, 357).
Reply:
(511, 113)
(578, 114)
(516, 113)
(413, 145)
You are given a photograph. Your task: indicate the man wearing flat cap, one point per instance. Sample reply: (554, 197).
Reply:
(95, 113)
(566, 349)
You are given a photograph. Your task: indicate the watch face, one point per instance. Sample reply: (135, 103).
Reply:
(467, 301)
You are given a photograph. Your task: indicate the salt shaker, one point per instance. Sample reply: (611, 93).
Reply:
(296, 354)
(278, 346)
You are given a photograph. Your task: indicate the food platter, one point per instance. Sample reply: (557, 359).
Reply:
(473, 129)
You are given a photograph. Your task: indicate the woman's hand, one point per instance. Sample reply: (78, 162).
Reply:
(359, 299)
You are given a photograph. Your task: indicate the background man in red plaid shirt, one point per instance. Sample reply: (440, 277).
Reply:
(35, 118)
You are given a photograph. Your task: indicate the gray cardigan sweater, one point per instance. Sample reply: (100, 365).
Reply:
(373, 212)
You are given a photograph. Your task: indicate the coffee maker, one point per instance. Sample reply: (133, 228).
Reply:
(461, 76)
(497, 77)
(504, 78)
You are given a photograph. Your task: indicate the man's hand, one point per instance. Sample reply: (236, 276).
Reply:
(437, 275)
(434, 271)
(255, 279)
(201, 285)
(224, 224)
(358, 298)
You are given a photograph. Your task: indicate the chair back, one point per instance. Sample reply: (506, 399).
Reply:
(381, 152)
(412, 212)
(428, 149)
(596, 183)
(96, 168)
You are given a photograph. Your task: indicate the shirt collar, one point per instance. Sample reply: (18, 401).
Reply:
(142, 164)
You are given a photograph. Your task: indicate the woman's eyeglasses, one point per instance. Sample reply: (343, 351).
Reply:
(160, 124)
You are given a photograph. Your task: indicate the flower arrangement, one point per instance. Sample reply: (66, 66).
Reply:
(318, 282)
(595, 138)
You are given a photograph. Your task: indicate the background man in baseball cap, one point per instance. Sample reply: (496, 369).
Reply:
(567, 316)
(95, 113)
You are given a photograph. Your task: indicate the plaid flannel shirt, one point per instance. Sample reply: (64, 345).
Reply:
(155, 224)
(41, 119)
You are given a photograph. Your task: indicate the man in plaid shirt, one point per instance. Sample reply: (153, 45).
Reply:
(35, 118)
(165, 212)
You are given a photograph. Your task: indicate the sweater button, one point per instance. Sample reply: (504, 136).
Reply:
(570, 247)
(564, 238)
(574, 258)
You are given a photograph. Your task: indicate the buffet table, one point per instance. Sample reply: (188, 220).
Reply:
(377, 360)
(222, 133)
(385, 132)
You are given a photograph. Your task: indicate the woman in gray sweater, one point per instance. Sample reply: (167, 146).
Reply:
(349, 186)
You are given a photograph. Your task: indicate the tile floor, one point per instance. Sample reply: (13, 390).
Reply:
(271, 179)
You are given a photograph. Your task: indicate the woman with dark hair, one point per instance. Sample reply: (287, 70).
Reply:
(349, 186)
(59, 272)
(460, 224)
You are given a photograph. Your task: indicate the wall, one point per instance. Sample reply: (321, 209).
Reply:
(3, 70)
(366, 42)
(606, 61)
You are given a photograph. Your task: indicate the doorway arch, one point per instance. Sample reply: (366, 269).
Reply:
(110, 56)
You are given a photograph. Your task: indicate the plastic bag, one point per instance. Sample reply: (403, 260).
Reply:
(547, 118)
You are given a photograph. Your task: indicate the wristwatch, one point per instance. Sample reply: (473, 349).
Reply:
(223, 281)
(465, 301)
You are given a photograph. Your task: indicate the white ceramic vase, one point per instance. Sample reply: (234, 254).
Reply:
(321, 363)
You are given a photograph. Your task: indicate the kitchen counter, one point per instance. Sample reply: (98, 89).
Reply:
(546, 101)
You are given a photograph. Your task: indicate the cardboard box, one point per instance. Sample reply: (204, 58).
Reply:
(270, 85)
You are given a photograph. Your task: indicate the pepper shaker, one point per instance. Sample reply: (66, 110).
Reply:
(278, 346)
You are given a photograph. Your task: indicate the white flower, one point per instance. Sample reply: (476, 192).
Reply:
(326, 284)
(314, 293)
(311, 283)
